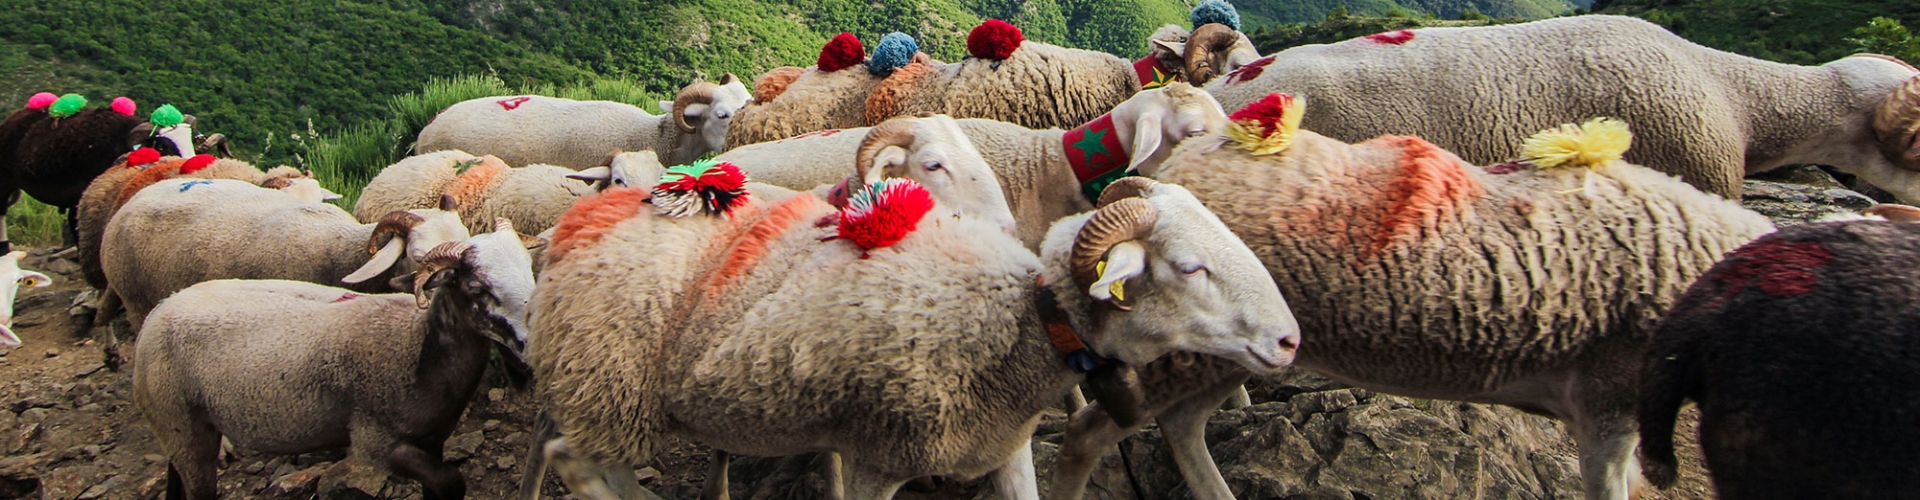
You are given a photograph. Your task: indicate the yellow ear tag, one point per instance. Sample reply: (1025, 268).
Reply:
(1118, 288)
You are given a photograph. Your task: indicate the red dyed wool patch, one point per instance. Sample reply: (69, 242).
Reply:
(1430, 186)
(592, 217)
(817, 133)
(1778, 267)
(1392, 37)
(842, 52)
(510, 104)
(1251, 71)
(165, 169)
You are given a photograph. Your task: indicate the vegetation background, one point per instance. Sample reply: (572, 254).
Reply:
(342, 86)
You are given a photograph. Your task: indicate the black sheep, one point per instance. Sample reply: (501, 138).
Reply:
(1802, 350)
(53, 159)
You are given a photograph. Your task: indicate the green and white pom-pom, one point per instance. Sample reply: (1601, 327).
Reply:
(706, 186)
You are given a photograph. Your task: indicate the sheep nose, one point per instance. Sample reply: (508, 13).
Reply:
(1290, 342)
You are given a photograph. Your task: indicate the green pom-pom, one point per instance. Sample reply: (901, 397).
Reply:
(166, 116)
(67, 105)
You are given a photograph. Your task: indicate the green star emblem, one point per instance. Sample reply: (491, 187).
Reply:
(1090, 144)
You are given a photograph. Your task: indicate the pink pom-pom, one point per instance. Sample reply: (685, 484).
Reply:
(994, 39)
(842, 52)
(41, 100)
(123, 105)
(196, 163)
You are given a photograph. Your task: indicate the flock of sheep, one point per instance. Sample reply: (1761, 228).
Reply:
(904, 262)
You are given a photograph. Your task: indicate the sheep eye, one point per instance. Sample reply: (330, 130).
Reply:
(934, 165)
(1196, 132)
(1191, 270)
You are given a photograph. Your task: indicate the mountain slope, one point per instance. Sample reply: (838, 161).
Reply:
(1790, 31)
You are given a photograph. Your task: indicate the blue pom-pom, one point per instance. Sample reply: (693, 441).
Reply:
(893, 52)
(1215, 11)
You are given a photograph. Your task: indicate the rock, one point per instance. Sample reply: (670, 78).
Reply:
(254, 468)
(496, 394)
(100, 490)
(21, 440)
(505, 463)
(23, 404)
(463, 446)
(34, 415)
(154, 458)
(296, 485)
(19, 474)
(70, 482)
(490, 425)
(1790, 204)
(60, 267)
(53, 352)
(350, 479)
(1288, 383)
(68, 253)
(88, 369)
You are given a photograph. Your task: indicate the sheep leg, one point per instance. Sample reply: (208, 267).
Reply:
(863, 483)
(70, 233)
(191, 474)
(1088, 435)
(1185, 427)
(6, 245)
(108, 306)
(588, 479)
(438, 481)
(1607, 464)
(1016, 480)
(535, 475)
(1239, 399)
(836, 477)
(1076, 400)
(716, 487)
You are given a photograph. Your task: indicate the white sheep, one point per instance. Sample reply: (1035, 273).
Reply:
(931, 360)
(180, 232)
(293, 367)
(485, 189)
(1708, 116)
(1026, 82)
(1533, 284)
(12, 277)
(529, 129)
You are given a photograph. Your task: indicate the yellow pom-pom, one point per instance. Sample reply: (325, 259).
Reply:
(1589, 144)
(1266, 126)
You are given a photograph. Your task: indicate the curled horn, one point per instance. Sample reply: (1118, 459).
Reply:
(1206, 40)
(1125, 187)
(1118, 221)
(894, 132)
(697, 93)
(440, 258)
(1897, 123)
(396, 224)
(448, 203)
(610, 157)
(276, 183)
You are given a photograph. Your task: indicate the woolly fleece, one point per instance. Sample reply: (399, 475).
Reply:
(1038, 86)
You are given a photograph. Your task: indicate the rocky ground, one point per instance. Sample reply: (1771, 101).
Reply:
(69, 430)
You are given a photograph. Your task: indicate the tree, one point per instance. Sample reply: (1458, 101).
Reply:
(1884, 35)
(1337, 13)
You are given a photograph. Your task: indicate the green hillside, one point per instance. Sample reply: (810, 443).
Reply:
(1264, 12)
(1791, 31)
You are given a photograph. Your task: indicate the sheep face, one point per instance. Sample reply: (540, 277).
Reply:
(1160, 119)
(706, 109)
(181, 136)
(934, 152)
(623, 169)
(413, 233)
(501, 277)
(12, 278)
(1177, 280)
(308, 190)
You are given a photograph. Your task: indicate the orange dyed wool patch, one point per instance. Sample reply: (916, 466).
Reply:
(471, 186)
(168, 168)
(1429, 187)
(750, 248)
(592, 217)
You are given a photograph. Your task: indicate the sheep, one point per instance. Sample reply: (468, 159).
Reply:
(1761, 342)
(1008, 79)
(12, 278)
(790, 101)
(531, 129)
(180, 232)
(51, 149)
(485, 188)
(293, 367)
(1532, 284)
(1215, 46)
(893, 409)
(1037, 174)
(112, 188)
(1709, 117)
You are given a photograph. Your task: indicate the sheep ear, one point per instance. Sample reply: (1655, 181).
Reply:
(32, 279)
(139, 134)
(439, 279)
(1117, 388)
(592, 175)
(728, 79)
(381, 261)
(1126, 260)
(1147, 135)
(695, 110)
(530, 241)
(886, 159)
(1162, 49)
(401, 284)
(666, 106)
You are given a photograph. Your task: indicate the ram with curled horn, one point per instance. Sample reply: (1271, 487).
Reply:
(527, 130)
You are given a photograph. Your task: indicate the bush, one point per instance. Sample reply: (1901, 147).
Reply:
(1884, 35)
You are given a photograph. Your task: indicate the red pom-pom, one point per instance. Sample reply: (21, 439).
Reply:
(123, 105)
(196, 163)
(143, 156)
(842, 52)
(1267, 112)
(41, 100)
(994, 39)
(884, 213)
(706, 186)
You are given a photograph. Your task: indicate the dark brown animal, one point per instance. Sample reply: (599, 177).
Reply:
(53, 159)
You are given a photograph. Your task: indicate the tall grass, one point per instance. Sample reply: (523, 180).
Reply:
(32, 223)
(346, 161)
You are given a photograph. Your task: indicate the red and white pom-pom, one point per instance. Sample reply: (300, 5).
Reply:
(842, 52)
(1266, 126)
(143, 156)
(884, 213)
(123, 105)
(705, 186)
(41, 100)
(994, 39)
(196, 163)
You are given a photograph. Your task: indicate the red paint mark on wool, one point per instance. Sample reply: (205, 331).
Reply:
(1430, 185)
(470, 187)
(994, 39)
(818, 133)
(842, 52)
(346, 297)
(167, 168)
(511, 104)
(751, 247)
(592, 217)
(1778, 267)
(1392, 37)
(1251, 71)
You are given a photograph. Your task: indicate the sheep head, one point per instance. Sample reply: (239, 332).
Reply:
(1215, 50)
(933, 151)
(492, 274)
(1896, 124)
(409, 232)
(1154, 272)
(706, 108)
(623, 169)
(1161, 119)
(12, 278)
(176, 140)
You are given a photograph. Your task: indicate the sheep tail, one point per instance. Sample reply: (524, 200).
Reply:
(1672, 376)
